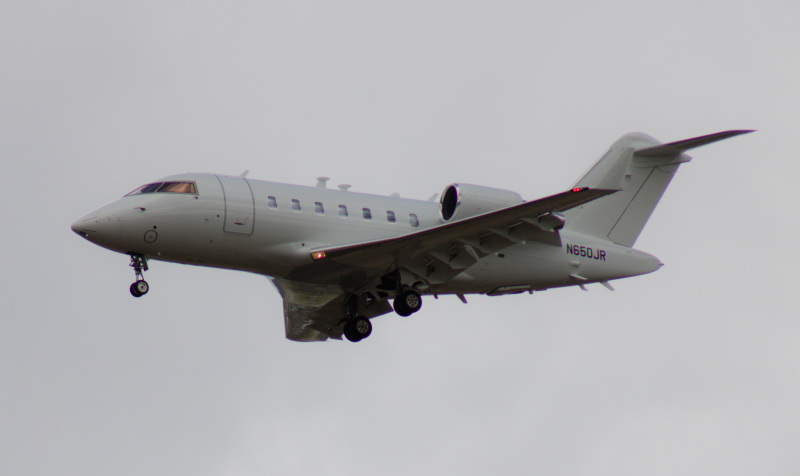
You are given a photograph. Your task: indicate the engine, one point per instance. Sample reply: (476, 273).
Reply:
(461, 200)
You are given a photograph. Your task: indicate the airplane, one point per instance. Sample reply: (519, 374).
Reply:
(338, 257)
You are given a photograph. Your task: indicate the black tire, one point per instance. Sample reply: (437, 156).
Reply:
(135, 292)
(357, 329)
(350, 333)
(407, 303)
(400, 308)
(140, 288)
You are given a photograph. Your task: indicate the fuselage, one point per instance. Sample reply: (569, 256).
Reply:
(270, 229)
(338, 258)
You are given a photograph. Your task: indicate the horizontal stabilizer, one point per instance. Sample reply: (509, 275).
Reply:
(640, 169)
(677, 148)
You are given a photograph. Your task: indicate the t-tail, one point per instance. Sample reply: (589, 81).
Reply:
(641, 168)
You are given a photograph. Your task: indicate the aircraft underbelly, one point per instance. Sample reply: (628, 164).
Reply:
(536, 266)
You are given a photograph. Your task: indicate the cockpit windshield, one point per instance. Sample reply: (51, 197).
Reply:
(166, 187)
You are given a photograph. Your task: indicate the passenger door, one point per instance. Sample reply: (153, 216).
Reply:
(240, 208)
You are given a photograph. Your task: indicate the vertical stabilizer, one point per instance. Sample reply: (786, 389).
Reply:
(639, 167)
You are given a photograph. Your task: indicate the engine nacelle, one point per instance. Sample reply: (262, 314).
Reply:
(461, 200)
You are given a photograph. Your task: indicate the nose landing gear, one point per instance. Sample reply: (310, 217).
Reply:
(139, 264)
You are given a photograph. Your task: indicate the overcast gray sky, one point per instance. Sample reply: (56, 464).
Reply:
(690, 370)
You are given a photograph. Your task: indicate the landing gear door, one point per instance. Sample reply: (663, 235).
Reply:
(240, 208)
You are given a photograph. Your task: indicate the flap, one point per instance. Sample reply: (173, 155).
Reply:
(309, 310)
(315, 312)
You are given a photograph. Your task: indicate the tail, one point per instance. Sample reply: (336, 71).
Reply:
(640, 168)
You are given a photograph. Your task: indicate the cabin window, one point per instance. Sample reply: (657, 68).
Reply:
(413, 219)
(390, 216)
(319, 208)
(342, 210)
(367, 213)
(295, 204)
(272, 202)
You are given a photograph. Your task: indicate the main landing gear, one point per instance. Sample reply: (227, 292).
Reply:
(139, 264)
(355, 327)
(407, 299)
(407, 302)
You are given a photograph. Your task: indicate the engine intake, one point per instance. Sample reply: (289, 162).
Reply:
(461, 200)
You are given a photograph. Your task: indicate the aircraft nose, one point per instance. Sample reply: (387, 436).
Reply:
(98, 227)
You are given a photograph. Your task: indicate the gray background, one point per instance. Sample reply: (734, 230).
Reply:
(693, 369)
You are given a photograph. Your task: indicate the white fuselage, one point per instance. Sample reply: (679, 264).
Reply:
(269, 228)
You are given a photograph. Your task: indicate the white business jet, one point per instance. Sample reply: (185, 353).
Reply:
(338, 257)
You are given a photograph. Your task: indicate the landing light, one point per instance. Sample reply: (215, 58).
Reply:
(318, 255)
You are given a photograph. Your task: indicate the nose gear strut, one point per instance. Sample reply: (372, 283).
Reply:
(139, 264)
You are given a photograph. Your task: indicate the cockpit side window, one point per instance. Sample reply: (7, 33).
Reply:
(178, 187)
(149, 188)
(166, 187)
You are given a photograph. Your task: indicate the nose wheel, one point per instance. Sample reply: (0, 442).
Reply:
(139, 288)
(139, 264)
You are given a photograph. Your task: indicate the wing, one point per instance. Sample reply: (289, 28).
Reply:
(315, 312)
(437, 254)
